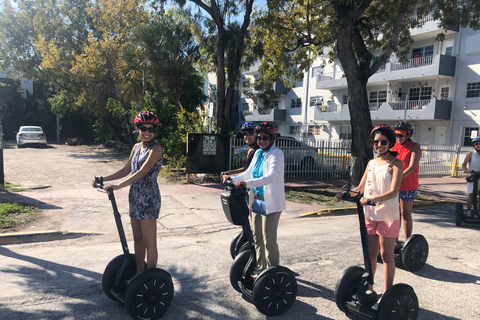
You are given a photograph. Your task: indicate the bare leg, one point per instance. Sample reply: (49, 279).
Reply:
(469, 201)
(406, 213)
(149, 232)
(387, 246)
(373, 247)
(138, 245)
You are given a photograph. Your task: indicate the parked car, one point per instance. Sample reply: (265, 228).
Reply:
(297, 154)
(30, 135)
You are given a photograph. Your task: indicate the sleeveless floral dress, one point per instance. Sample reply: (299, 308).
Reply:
(144, 196)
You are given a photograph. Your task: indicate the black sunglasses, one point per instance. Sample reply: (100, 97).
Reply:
(150, 129)
(400, 135)
(383, 142)
(264, 138)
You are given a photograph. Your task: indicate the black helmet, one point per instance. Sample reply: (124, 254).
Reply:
(404, 126)
(387, 131)
(146, 117)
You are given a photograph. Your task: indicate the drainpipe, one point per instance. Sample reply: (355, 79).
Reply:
(307, 102)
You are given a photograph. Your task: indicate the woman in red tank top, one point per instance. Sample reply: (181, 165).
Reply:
(409, 153)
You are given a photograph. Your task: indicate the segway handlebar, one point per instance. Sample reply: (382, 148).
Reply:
(230, 183)
(356, 198)
(98, 182)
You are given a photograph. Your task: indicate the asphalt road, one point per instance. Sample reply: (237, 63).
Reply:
(62, 279)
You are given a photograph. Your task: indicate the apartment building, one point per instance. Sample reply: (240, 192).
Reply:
(437, 90)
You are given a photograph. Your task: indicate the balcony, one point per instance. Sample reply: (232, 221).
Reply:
(430, 109)
(277, 87)
(429, 28)
(414, 69)
(270, 115)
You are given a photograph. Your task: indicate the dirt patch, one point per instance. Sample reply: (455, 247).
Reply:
(22, 220)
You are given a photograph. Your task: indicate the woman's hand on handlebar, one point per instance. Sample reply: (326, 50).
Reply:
(239, 183)
(366, 202)
(110, 186)
(225, 177)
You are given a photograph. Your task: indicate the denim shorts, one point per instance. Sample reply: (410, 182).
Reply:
(408, 195)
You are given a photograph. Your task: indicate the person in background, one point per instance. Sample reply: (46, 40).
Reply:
(472, 159)
(144, 164)
(380, 184)
(265, 175)
(248, 133)
(409, 153)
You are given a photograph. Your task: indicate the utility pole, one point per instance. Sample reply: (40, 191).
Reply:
(2, 173)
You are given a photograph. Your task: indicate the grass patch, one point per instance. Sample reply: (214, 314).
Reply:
(13, 215)
(14, 187)
(326, 196)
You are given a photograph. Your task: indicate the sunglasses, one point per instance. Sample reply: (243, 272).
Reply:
(400, 135)
(264, 138)
(383, 142)
(150, 129)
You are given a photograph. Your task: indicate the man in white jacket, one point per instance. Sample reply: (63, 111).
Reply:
(265, 175)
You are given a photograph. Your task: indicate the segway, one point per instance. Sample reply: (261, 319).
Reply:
(146, 295)
(238, 244)
(460, 216)
(274, 290)
(399, 302)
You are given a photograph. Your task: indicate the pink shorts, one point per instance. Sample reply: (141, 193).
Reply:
(382, 229)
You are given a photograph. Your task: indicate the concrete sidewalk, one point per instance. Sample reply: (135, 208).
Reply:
(192, 206)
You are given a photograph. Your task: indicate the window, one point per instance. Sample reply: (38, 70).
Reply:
(467, 135)
(296, 103)
(345, 132)
(245, 107)
(274, 104)
(294, 129)
(376, 98)
(423, 51)
(473, 90)
(472, 45)
(316, 71)
(345, 99)
(444, 93)
(318, 100)
(314, 130)
(424, 93)
(449, 51)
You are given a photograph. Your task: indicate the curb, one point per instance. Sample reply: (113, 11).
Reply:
(41, 236)
(348, 210)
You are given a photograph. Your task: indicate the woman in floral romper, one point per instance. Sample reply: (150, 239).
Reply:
(144, 199)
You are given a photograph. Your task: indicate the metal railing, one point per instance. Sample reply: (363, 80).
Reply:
(332, 159)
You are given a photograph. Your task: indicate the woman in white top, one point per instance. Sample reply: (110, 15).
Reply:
(265, 175)
(380, 184)
(472, 159)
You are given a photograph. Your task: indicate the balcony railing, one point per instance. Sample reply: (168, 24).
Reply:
(410, 105)
(414, 63)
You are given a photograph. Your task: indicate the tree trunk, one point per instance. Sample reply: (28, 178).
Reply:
(360, 119)
(220, 103)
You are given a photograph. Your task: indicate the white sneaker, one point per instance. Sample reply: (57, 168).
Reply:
(468, 214)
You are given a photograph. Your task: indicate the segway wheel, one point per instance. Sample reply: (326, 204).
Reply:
(399, 302)
(415, 253)
(458, 214)
(274, 291)
(347, 287)
(149, 294)
(238, 244)
(236, 270)
(110, 273)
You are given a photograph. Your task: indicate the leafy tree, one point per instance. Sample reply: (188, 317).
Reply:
(222, 41)
(295, 32)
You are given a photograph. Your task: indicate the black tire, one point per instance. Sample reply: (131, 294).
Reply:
(149, 294)
(308, 164)
(347, 286)
(458, 214)
(110, 273)
(415, 253)
(275, 291)
(237, 244)
(399, 303)
(236, 270)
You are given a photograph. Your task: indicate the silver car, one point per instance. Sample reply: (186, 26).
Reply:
(297, 154)
(30, 135)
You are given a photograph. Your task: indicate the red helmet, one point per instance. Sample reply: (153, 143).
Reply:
(267, 128)
(146, 117)
(387, 131)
